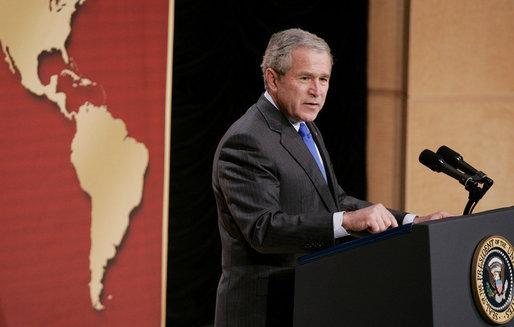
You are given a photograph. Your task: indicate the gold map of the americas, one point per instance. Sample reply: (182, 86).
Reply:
(110, 166)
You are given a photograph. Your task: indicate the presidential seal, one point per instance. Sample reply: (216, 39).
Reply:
(492, 279)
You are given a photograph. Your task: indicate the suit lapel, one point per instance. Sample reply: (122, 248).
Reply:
(331, 177)
(293, 143)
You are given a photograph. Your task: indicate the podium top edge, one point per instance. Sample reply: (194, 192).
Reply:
(403, 229)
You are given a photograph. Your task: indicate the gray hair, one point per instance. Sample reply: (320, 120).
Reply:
(278, 53)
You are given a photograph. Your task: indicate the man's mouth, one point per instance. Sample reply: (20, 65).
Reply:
(312, 104)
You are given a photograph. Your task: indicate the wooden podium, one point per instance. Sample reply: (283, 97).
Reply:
(413, 275)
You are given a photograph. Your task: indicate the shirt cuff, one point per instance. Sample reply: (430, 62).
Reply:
(409, 218)
(339, 230)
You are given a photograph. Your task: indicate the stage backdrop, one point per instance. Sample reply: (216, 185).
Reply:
(218, 47)
(84, 135)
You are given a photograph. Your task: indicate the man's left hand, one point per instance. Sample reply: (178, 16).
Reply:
(433, 216)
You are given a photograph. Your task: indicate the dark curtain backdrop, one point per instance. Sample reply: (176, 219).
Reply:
(218, 47)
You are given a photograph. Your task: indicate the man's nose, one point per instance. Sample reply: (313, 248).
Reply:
(315, 88)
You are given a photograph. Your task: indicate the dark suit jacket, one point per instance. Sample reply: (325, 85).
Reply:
(273, 206)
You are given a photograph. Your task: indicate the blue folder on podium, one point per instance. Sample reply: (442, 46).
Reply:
(356, 243)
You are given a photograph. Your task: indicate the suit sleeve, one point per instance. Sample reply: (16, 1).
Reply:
(346, 202)
(349, 203)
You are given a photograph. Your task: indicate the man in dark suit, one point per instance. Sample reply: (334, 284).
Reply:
(276, 194)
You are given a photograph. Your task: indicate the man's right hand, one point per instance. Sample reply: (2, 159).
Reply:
(374, 219)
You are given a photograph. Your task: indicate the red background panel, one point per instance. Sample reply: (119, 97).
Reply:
(45, 216)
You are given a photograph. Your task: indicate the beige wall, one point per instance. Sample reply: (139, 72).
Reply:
(440, 72)
(386, 102)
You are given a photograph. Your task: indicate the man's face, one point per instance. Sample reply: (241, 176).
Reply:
(301, 92)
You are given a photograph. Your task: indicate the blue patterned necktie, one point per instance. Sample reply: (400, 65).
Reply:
(307, 138)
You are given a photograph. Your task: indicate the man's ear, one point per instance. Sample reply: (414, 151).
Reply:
(271, 79)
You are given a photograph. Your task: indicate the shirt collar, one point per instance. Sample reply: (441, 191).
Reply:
(296, 124)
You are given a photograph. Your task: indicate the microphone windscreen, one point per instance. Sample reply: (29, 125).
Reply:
(431, 160)
(449, 155)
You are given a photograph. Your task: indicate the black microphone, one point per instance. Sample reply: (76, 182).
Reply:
(436, 162)
(456, 160)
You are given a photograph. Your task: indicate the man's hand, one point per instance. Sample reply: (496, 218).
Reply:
(433, 216)
(374, 219)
